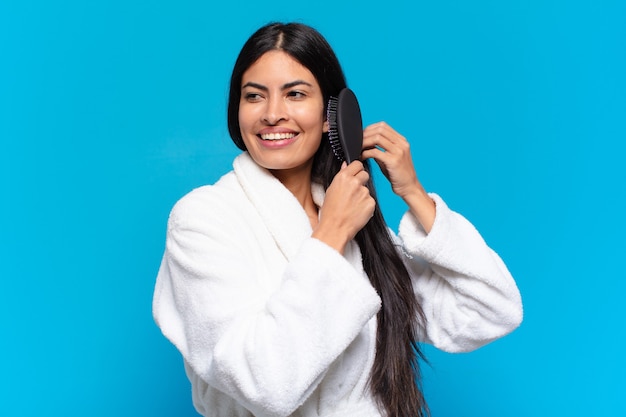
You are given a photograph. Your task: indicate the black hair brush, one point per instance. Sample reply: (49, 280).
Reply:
(345, 126)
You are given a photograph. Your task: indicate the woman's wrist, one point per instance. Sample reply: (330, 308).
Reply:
(331, 237)
(422, 206)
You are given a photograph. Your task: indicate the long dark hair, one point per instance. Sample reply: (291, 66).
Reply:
(395, 379)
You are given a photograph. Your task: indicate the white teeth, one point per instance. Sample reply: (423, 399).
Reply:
(277, 136)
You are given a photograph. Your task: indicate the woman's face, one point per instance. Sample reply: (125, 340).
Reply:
(281, 112)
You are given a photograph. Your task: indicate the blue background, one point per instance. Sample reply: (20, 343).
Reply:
(110, 111)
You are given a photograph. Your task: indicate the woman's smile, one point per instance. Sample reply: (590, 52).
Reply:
(271, 137)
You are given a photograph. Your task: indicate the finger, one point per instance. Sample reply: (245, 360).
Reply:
(354, 167)
(377, 140)
(383, 136)
(378, 126)
(385, 130)
(362, 177)
(381, 157)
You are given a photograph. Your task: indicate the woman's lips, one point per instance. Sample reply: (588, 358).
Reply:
(277, 140)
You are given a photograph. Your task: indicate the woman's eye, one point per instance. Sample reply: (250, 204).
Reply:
(296, 94)
(252, 96)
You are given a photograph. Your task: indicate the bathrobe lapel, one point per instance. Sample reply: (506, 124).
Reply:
(280, 210)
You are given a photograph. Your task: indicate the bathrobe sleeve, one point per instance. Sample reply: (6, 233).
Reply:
(265, 345)
(467, 294)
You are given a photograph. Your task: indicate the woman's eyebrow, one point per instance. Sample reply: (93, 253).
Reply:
(284, 87)
(254, 85)
(295, 83)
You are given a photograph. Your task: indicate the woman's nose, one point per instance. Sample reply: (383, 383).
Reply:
(275, 111)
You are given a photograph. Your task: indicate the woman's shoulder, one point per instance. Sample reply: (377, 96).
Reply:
(226, 187)
(216, 200)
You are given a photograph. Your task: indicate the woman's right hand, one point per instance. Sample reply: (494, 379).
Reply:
(347, 207)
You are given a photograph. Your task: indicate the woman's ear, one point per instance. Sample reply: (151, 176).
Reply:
(325, 126)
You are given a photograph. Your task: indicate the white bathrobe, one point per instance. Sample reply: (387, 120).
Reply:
(273, 322)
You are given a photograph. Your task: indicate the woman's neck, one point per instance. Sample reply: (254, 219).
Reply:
(298, 182)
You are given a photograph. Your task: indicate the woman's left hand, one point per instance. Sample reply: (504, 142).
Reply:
(392, 153)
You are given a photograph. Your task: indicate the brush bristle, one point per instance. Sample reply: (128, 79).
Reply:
(333, 132)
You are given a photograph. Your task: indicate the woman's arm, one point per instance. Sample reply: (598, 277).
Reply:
(468, 295)
(264, 339)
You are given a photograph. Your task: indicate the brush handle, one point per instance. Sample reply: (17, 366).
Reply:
(349, 125)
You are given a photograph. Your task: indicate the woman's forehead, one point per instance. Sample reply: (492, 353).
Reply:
(277, 66)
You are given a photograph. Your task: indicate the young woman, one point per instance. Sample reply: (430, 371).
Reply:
(281, 285)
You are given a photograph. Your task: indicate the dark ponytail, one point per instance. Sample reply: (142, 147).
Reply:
(395, 377)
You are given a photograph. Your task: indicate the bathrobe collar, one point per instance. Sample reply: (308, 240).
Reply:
(281, 212)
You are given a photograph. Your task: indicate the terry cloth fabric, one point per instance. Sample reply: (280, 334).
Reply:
(272, 322)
